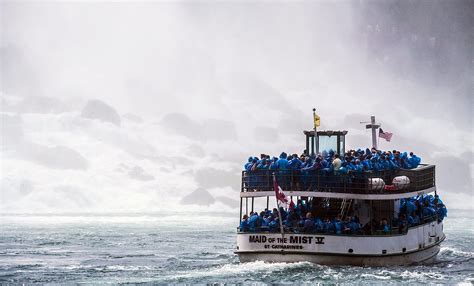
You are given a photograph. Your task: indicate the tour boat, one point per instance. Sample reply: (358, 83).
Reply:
(340, 195)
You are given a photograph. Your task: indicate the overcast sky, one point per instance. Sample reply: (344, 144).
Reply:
(233, 79)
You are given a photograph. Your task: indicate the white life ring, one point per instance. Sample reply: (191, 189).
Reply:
(401, 182)
(376, 184)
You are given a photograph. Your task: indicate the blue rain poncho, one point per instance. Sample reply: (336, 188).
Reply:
(308, 225)
(411, 207)
(249, 164)
(413, 161)
(274, 225)
(282, 163)
(354, 227)
(252, 222)
(244, 226)
(442, 212)
(338, 226)
(428, 211)
(295, 164)
(318, 224)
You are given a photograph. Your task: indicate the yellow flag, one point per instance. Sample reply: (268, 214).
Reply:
(317, 120)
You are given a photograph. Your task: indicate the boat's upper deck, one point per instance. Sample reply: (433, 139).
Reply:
(367, 184)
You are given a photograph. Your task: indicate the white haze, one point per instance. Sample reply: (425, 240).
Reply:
(155, 106)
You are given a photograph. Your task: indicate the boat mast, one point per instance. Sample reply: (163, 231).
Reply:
(374, 126)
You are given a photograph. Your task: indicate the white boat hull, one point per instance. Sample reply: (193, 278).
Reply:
(423, 256)
(420, 245)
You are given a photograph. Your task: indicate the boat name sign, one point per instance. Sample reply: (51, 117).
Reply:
(282, 242)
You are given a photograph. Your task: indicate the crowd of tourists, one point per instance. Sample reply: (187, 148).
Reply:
(353, 160)
(414, 209)
(299, 219)
(305, 172)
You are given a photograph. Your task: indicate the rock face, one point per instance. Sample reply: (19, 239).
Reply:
(96, 109)
(228, 201)
(198, 197)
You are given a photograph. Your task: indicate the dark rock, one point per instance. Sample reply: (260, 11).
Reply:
(198, 197)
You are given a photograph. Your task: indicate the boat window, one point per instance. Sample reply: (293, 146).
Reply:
(327, 143)
(342, 147)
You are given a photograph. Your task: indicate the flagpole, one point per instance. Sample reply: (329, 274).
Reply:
(315, 133)
(278, 206)
(374, 131)
(374, 126)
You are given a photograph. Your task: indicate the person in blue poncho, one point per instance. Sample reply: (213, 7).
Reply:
(404, 161)
(291, 220)
(413, 219)
(263, 181)
(393, 165)
(273, 164)
(385, 163)
(305, 170)
(442, 212)
(265, 220)
(248, 167)
(283, 213)
(385, 226)
(274, 225)
(413, 161)
(249, 164)
(328, 226)
(282, 166)
(299, 208)
(377, 164)
(354, 226)
(263, 165)
(410, 206)
(308, 223)
(294, 163)
(318, 225)
(338, 225)
(252, 180)
(294, 166)
(366, 163)
(403, 224)
(244, 227)
(252, 221)
(282, 163)
(346, 166)
(428, 209)
(358, 167)
(437, 200)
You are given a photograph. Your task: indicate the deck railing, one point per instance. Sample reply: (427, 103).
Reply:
(365, 182)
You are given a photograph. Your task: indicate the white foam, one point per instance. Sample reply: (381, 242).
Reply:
(242, 268)
(452, 250)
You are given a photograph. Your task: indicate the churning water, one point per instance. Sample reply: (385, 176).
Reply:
(188, 248)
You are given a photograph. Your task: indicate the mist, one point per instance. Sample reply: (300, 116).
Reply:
(156, 106)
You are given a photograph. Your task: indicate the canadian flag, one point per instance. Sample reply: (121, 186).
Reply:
(282, 199)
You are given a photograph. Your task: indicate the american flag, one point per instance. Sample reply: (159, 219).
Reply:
(385, 135)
